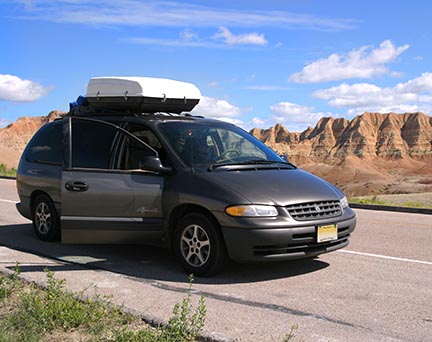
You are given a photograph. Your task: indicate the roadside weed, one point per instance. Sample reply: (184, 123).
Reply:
(290, 337)
(186, 323)
(41, 312)
(5, 171)
(389, 202)
(30, 314)
(367, 200)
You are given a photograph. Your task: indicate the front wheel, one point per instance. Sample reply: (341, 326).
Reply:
(46, 223)
(199, 246)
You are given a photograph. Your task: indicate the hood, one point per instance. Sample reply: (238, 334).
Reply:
(279, 187)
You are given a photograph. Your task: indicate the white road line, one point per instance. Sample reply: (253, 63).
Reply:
(387, 257)
(7, 201)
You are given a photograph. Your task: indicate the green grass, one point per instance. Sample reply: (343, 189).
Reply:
(29, 314)
(291, 336)
(415, 205)
(5, 171)
(367, 200)
(374, 200)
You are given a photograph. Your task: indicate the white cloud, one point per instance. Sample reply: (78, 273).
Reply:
(290, 110)
(364, 62)
(267, 87)
(188, 35)
(258, 122)
(174, 14)
(397, 108)
(188, 38)
(251, 78)
(28, 4)
(13, 88)
(413, 95)
(4, 122)
(421, 84)
(241, 39)
(294, 116)
(218, 109)
(169, 42)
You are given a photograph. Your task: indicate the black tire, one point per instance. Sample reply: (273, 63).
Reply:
(46, 223)
(199, 245)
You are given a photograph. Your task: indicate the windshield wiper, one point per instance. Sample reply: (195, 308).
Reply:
(252, 162)
(266, 162)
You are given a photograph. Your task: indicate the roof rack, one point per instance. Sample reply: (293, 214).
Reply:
(81, 107)
(141, 95)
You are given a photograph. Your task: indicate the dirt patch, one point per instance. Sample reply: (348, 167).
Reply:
(359, 177)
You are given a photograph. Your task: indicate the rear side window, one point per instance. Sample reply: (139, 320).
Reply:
(47, 146)
(92, 144)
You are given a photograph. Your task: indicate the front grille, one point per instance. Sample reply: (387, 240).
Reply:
(314, 210)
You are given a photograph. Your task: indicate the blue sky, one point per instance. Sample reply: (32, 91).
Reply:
(257, 63)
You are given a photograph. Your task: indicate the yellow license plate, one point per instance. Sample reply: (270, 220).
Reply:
(327, 233)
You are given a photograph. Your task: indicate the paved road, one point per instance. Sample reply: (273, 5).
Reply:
(377, 289)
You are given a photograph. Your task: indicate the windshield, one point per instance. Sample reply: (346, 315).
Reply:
(208, 145)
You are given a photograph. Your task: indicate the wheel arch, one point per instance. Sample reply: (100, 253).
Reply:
(185, 209)
(35, 194)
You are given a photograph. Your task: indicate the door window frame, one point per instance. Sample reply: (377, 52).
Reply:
(118, 138)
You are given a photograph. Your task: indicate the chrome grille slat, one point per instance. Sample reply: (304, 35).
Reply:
(314, 210)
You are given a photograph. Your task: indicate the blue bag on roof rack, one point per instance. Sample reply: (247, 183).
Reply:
(140, 95)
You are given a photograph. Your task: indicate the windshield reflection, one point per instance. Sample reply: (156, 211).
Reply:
(208, 145)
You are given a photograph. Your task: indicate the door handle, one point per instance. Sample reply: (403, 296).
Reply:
(76, 186)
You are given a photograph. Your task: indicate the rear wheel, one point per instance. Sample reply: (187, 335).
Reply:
(46, 223)
(199, 246)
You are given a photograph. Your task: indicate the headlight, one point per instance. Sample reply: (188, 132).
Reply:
(344, 202)
(251, 211)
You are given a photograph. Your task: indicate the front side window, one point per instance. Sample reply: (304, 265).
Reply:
(47, 146)
(206, 144)
(135, 147)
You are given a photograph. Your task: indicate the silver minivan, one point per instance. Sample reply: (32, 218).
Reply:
(206, 189)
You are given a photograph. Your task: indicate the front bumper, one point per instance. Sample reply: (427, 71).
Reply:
(283, 243)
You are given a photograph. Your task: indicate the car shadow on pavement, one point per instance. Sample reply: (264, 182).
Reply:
(143, 262)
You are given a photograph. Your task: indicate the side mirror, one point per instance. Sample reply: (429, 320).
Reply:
(285, 157)
(153, 163)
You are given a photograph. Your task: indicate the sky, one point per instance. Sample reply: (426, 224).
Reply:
(256, 63)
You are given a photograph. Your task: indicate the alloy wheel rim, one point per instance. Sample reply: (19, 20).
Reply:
(195, 245)
(43, 218)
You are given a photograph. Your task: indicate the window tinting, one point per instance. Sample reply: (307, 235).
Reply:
(47, 146)
(92, 144)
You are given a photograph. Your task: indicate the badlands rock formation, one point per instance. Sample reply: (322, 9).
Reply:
(15, 136)
(373, 153)
(370, 135)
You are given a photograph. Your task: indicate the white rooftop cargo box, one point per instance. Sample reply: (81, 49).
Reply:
(142, 94)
